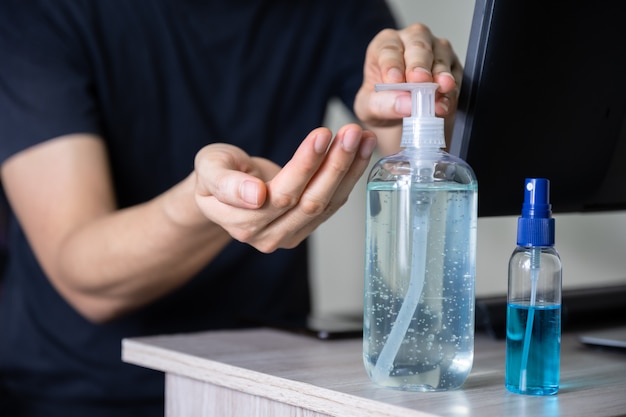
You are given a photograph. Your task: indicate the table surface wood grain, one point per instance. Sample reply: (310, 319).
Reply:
(329, 378)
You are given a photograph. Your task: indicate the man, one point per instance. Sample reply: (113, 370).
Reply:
(152, 156)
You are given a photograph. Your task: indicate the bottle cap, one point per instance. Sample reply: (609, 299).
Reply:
(423, 128)
(535, 227)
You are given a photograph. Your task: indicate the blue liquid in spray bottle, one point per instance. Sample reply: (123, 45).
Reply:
(534, 299)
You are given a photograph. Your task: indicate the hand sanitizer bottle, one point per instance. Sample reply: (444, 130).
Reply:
(420, 258)
(533, 320)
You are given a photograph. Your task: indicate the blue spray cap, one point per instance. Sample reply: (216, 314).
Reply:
(536, 226)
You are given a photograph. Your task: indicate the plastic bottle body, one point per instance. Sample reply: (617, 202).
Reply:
(533, 333)
(420, 271)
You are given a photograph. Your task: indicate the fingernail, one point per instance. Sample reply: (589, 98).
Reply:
(367, 146)
(395, 75)
(444, 105)
(420, 75)
(403, 105)
(446, 74)
(351, 140)
(321, 143)
(249, 191)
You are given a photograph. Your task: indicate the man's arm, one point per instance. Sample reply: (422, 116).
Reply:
(106, 261)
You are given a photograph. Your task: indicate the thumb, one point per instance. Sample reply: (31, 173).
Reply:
(228, 173)
(383, 108)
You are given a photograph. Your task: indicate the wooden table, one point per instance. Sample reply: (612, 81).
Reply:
(263, 372)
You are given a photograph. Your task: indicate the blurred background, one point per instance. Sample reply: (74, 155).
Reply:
(592, 246)
(338, 245)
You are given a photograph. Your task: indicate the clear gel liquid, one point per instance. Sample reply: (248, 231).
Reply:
(543, 364)
(436, 353)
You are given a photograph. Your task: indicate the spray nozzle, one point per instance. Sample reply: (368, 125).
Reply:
(537, 198)
(422, 128)
(536, 226)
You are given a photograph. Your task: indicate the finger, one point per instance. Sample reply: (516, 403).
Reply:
(342, 190)
(290, 182)
(225, 172)
(384, 63)
(281, 225)
(418, 53)
(320, 185)
(338, 164)
(346, 159)
(384, 58)
(445, 61)
(448, 73)
(389, 107)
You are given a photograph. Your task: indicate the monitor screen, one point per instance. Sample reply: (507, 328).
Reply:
(543, 95)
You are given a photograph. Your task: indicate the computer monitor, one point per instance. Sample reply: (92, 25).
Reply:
(544, 95)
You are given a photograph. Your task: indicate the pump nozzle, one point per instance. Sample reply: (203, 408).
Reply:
(422, 96)
(422, 128)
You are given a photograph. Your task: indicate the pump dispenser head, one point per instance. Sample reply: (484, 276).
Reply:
(422, 129)
(536, 226)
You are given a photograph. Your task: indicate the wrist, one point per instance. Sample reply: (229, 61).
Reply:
(180, 207)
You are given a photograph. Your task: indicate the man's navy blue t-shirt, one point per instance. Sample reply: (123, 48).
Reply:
(158, 80)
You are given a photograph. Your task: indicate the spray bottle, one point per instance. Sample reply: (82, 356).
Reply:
(533, 329)
(418, 332)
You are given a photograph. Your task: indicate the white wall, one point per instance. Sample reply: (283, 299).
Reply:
(592, 247)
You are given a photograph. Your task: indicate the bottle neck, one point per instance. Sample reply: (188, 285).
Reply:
(423, 132)
(535, 231)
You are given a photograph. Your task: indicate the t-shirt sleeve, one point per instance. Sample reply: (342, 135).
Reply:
(45, 80)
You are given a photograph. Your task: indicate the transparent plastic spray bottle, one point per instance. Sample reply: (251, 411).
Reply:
(420, 258)
(533, 322)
